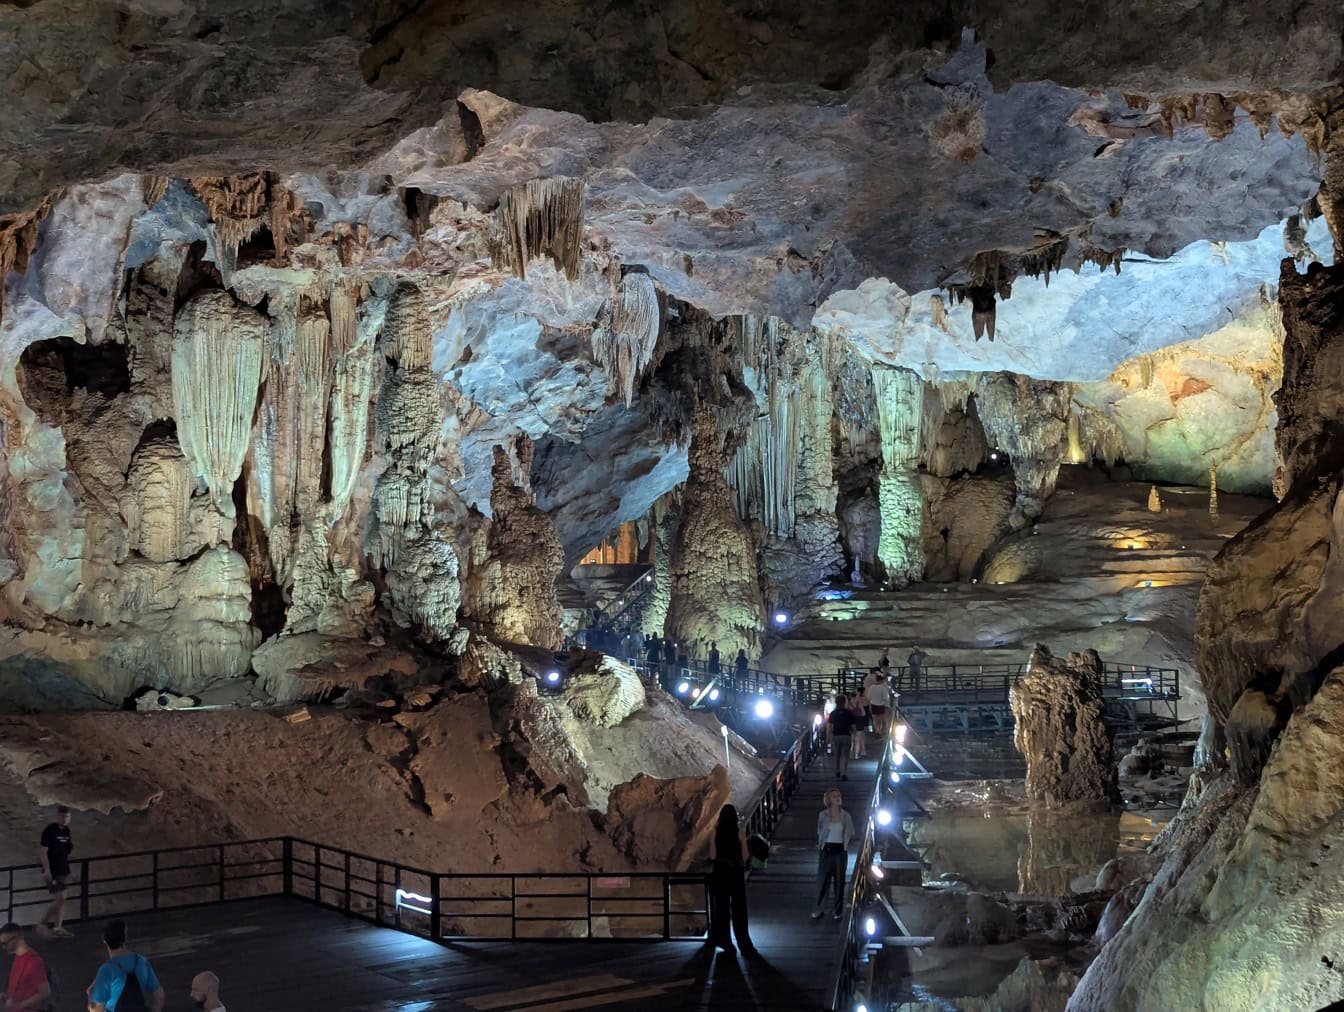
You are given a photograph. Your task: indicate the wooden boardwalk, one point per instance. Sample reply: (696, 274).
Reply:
(286, 955)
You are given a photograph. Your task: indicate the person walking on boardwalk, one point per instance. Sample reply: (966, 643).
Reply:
(742, 663)
(57, 844)
(879, 705)
(838, 726)
(835, 831)
(728, 884)
(713, 658)
(916, 662)
(858, 708)
(126, 981)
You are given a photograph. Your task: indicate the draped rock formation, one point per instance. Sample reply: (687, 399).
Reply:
(1028, 420)
(715, 595)
(900, 408)
(666, 515)
(624, 345)
(1057, 726)
(515, 561)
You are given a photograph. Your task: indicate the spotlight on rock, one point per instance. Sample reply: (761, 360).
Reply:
(781, 618)
(683, 688)
(764, 709)
(552, 678)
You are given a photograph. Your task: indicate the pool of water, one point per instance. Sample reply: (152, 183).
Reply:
(996, 849)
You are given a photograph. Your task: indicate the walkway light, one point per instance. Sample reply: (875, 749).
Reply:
(683, 688)
(869, 926)
(883, 817)
(552, 678)
(860, 1007)
(876, 869)
(895, 777)
(817, 720)
(901, 730)
(781, 617)
(713, 695)
(764, 709)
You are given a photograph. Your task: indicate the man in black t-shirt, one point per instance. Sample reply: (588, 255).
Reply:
(56, 847)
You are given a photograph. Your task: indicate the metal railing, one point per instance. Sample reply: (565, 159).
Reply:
(770, 802)
(626, 603)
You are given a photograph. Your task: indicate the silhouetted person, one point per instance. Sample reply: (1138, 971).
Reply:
(742, 663)
(29, 986)
(916, 662)
(728, 884)
(835, 830)
(126, 980)
(57, 844)
(653, 649)
(205, 992)
(669, 652)
(683, 661)
(713, 658)
(839, 725)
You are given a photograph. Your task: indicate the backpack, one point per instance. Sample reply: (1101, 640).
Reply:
(132, 998)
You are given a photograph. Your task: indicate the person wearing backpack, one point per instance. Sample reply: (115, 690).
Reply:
(126, 982)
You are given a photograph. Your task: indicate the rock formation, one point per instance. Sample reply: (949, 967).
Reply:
(715, 594)
(515, 561)
(1057, 726)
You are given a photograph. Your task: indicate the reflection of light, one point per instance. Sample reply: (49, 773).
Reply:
(900, 754)
(883, 817)
(781, 617)
(403, 895)
(878, 873)
(860, 1007)
(553, 677)
(713, 695)
(895, 777)
(901, 729)
(683, 688)
(869, 927)
(764, 709)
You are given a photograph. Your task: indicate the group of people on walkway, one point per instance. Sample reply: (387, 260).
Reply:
(849, 718)
(124, 982)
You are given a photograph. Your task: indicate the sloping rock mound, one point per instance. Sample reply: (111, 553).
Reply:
(607, 696)
(666, 823)
(1057, 708)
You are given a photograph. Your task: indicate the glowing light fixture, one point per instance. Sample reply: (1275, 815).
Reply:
(407, 900)
(817, 721)
(683, 688)
(860, 1007)
(713, 695)
(877, 871)
(764, 709)
(883, 817)
(901, 730)
(869, 926)
(781, 617)
(994, 455)
(552, 678)
(895, 777)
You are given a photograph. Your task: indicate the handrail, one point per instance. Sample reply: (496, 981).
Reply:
(640, 586)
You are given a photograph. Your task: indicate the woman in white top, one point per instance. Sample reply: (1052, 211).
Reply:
(879, 705)
(835, 831)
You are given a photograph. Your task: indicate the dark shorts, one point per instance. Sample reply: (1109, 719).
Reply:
(877, 711)
(59, 883)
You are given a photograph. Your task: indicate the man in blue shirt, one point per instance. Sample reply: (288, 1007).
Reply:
(124, 974)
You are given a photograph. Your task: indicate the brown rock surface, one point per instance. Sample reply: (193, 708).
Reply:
(1057, 708)
(666, 823)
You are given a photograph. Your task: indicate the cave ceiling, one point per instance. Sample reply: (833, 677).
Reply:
(834, 167)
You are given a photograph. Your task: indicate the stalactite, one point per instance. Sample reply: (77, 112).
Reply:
(352, 389)
(218, 347)
(938, 313)
(18, 240)
(1213, 491)
(539, 217)
(624, 347)
(236, 204)
(1076, 452)
(982, 311)
(343, 308)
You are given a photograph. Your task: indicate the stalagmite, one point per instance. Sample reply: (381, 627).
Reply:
(1154, 501)
(157, 501)
(1213, 491)
(666, 514)
(536, 218)
(624, 347)
(900, 407)
(938, 313)
(715, 594)
(218, 347)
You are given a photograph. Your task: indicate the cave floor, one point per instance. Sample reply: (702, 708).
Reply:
(282, 953)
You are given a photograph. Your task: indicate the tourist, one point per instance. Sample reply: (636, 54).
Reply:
(858, 708)
(835, 830)
(57, 844)
(741, 664)
(713, 658)
(879, 704)
(728, 884)
(916, 662)
(683, 660)
(626, 643)
(205, 992)
(637, 644)
(884, 662)
(29, 986)
(125, 977)
(838, 727)
(653, 650)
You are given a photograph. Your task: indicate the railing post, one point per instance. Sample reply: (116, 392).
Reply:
(667, 908)
(84, 890)
(435, 918)
(378, 893)
(287, 865)
(317, 875)
(396, 896)
(346, 900)
(155, 885)
(219, 869)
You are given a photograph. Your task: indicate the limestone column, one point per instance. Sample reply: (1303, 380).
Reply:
(900, 496)
(715, 595)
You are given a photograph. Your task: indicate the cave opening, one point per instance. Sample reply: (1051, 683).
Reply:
(62, 363)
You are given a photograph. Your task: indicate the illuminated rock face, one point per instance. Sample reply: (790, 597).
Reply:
(1057, 726)
(715, 595)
